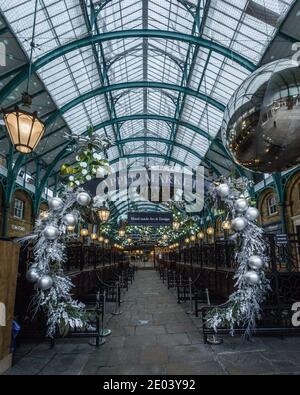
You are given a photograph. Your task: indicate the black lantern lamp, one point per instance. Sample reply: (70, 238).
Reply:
(103, 213)
(25, 129)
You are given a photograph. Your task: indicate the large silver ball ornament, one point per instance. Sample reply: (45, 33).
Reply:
(255, 262)
(70, 220)
(55, 203)
(33, 275)
(45, 283)
(239, 224)
(223, 190)
(83, 199)
(261, 126)
(252, 277)
(51, 232)
(241, 205)
(252, 214)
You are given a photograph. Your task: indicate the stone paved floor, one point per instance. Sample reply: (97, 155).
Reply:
(154, 335)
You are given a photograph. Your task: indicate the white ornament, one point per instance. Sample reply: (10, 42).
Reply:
(83, 164)
(70, 220)
(239, 224)
(255, 262)
(51, 232)
(88, 177)
(83, 199)
(45, 283)
(252, 214)
(56, 203)
(241, 205)
(71, 178)
(32, 275)
(84, 172)
(252, 278)
(223, 190)
(101, 172)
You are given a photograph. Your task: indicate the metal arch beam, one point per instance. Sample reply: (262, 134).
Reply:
(160, 156)
(164, 141)
(161, 118)
(133, 85)
(125, 34)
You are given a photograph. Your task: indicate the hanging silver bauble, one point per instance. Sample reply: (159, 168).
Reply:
(83, 199)
(239, 224)
(51, 232)
(255, 262)
(241, 205)
(70, 220)
(33, 275)
(252, 214)
(55, 203)
(45, 283)
(223, 190)
(252, 277)
(262, 120)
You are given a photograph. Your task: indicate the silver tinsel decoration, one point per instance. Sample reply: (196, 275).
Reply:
(252, 286)
(54, 289)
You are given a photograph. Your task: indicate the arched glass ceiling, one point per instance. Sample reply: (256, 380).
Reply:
(207, 46)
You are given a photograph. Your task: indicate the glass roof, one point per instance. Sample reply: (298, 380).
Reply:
(167, 111)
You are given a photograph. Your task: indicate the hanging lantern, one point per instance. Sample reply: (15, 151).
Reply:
(129, 241)
(193, 238)
(176, 225)
(101, 239)
(84, 232)
(201, 235)
(187, 240)
(25, 129)
(106, 241)
(103, 213)
(94, 236)
(122, 232)
(226, 225)
(71, 228)
(210, 231)
(165, 237)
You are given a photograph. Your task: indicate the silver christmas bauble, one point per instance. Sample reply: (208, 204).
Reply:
(252, 214)
(55, 203)
(223, 190)
(255, 262)
(239, 224)
(252, 278)
(241, 205)
(70, 220)
(32, 275)
(45, 283)
(262, 120)
(51, 232)
(83, 199)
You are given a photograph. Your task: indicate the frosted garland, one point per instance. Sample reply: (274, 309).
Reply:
(252, 286)
(63, 312)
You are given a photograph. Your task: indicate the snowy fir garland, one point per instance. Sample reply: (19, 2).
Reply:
(252, 285)
(53, 288)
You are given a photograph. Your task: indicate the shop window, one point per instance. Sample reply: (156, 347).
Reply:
(19, 209)
(272, 205)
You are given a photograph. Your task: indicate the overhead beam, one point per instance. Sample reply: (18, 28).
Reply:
(125, 34)
(133, 85)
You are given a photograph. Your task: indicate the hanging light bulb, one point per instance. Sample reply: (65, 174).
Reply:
(210, 231)
(193, 238)
(226, 225)
(94, 236)
(176, 225)
(84, 232)
(101, 239)
(71, 228)
(122, 232)
(201, 235)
